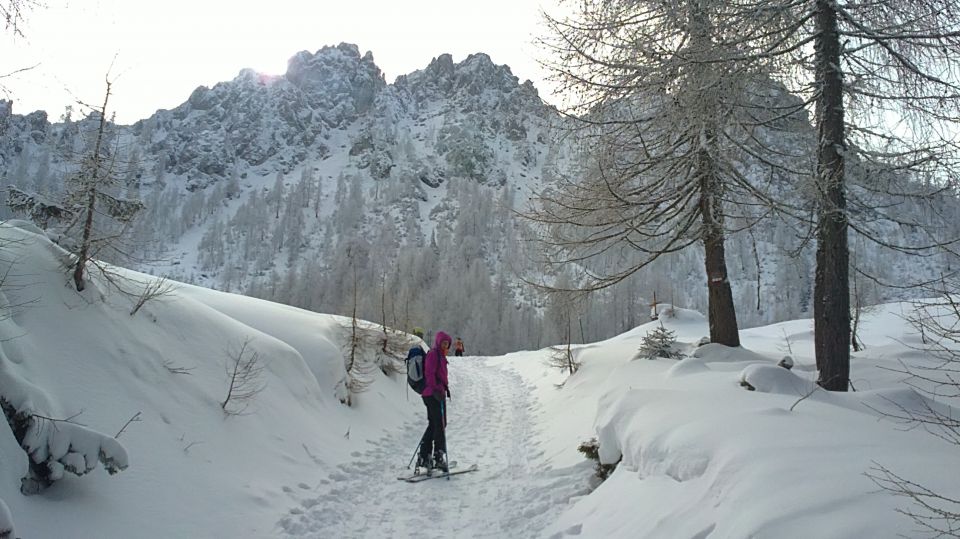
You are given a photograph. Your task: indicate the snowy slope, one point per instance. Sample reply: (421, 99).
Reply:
(194, 472)
(701, 455)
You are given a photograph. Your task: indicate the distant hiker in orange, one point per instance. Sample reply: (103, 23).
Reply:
(458, 347)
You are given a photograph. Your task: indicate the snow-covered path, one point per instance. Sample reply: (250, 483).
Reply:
(491, 423)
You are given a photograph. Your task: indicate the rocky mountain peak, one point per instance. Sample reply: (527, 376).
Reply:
(441, 65)
(273, 123)
(443, 79)
(337, 70)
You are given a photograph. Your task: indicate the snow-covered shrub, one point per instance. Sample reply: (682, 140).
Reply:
(767, 378)
(786, 362)
(659, 343)
(591, 450)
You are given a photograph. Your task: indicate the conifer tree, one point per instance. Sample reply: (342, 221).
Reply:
(658, 343)
(95, 219)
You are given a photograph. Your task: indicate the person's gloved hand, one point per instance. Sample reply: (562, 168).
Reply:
(448, 392)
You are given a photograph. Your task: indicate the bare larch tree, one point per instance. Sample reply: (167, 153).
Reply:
(666, 98)
(886, 102)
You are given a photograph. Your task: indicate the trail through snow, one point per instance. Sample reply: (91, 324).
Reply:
(490, 423)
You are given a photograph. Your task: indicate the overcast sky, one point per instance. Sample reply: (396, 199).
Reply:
(161, 51)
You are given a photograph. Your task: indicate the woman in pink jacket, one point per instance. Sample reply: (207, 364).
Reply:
(434, 398)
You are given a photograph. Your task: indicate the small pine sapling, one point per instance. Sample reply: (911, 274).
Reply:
(659, 343)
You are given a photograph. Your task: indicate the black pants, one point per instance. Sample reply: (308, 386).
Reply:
(458, 353)
(434, 438)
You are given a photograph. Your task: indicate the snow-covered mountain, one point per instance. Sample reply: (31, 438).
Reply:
(328, 188)
(261, 179)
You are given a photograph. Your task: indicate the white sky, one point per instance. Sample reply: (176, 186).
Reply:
(166, 49)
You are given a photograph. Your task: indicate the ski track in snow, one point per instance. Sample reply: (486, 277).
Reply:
(490, 423)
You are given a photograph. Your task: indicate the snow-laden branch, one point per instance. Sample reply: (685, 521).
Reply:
(56, 446)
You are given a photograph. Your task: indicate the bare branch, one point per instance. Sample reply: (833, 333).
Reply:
(134, 419)
(245, 378)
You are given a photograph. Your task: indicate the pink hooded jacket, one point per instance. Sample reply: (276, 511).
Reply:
(435, 368)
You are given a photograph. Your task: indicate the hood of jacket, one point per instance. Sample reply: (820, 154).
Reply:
(441, 336)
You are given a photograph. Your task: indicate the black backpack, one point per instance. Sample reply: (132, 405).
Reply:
(415, 378)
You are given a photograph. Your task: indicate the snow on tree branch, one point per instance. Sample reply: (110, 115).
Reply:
(121, 209)
(38, 208)
(66, 446)
(57, 446)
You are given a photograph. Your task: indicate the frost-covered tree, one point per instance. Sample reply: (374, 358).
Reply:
(14, 13)
(233, 184)
(317, 197)
(876, 78)
(563, 308)
(89, 192)
(191, 213)
(276, 196)
(669, 107)
(211, 250)
(96, 218)
(879, 77)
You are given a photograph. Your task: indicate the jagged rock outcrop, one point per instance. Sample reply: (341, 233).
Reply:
(262, 121)
(18, 132)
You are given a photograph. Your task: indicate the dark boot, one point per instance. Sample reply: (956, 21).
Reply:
(424, 462)
(440, 462)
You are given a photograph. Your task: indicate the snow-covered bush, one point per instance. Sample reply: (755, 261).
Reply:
(767, 378)
(591, 450)
(659, 343)
(786, 362)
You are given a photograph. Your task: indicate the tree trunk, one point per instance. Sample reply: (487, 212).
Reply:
(91, 187)
(721, 311)
(722, 314)
(84, 253)
(831, 306)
